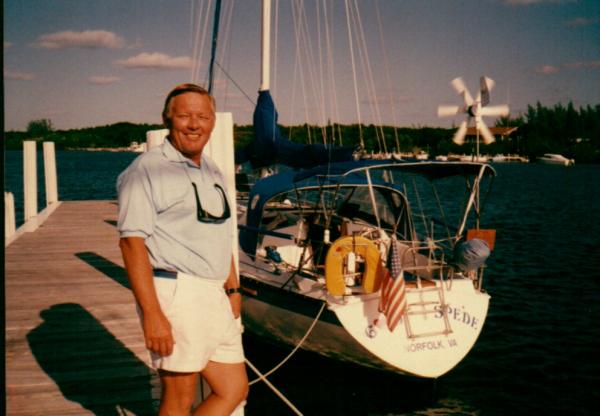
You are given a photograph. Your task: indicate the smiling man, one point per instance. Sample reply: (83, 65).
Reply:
(174, 222)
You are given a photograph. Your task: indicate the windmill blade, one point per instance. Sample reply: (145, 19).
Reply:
(461, 89)
(488, 137)
(486, 83)
(485, 86)
(459, 136)
(495, 110)
(449, 110)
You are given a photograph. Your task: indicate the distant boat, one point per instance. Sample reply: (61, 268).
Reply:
(421, 155)
(555, 159)
(509, 158)
(137, 147)
(463, 158)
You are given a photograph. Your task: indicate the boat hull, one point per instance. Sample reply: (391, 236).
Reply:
(284, 318)
(345, 329)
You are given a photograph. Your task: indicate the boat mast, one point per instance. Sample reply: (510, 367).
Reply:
(265, 46)
(213, 51)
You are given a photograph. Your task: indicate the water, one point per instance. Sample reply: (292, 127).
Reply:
(537, 353)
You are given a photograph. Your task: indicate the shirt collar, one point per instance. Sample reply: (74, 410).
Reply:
(174, 155)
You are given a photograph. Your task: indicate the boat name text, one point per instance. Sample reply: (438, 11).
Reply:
(458, 314)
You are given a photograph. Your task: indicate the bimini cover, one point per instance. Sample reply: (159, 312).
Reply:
(333, 174)
(350, 173)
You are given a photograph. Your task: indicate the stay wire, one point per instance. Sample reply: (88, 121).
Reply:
(308, 332)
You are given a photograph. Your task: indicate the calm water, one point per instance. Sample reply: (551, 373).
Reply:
(538, 351)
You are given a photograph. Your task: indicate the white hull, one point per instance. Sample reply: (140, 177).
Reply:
(424, 345)
(554, 159)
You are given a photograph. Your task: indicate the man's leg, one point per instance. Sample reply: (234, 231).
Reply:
(178, 393)
(229, 385)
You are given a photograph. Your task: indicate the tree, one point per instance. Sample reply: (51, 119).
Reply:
(39, 128)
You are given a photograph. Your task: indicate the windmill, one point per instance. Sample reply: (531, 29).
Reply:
(474, 109)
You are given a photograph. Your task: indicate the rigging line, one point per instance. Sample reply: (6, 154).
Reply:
(302, 39)
(226, 48)
(305, 50)
(199, 43)
(321, 76)
(297, 27)
(330, 64)
(373, 90)
(316, 73)
(308, 332)
(370, 84)
(295, 72)
(274, 129)
(360, 132)
(199, 39)
(225, 43)
(272, 387)
(387, 74)
(419, 203)
(442, 212)
(194, 40)
(235, 83)
(204, 41)
(192, 14)
(275, 46)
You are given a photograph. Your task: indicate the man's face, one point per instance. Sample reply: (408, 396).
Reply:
(192, 122)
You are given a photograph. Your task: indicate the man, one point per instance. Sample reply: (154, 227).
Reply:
(177, 248)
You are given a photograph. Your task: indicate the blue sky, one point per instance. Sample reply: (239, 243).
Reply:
(84, 63)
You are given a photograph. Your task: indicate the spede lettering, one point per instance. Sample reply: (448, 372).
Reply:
(458, 314)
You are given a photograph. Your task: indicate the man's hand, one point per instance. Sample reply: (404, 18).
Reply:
(158, 334)
(236, 304)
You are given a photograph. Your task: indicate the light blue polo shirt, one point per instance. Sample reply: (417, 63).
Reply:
(157, 203)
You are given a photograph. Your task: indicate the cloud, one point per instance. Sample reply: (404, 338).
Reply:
(18, 76)
(583, 64)
(88, 39)
(155, 60)
(582, 21)
(547, 69)
(103, 80)
(7, 45)
(529, 2)
(552, 69)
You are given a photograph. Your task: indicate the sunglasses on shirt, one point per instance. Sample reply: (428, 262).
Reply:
(205, 216)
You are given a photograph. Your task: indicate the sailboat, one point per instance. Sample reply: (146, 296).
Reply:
(351, 259)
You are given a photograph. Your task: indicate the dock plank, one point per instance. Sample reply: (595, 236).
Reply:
(73, 341)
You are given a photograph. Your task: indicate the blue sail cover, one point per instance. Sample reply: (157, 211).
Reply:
(270, 147)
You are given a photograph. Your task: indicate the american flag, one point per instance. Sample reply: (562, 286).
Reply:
(392, 302)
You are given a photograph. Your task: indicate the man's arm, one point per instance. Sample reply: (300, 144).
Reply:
(157, 330)
(234, 298)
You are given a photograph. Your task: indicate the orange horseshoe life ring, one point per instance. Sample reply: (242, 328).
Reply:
(334, 263)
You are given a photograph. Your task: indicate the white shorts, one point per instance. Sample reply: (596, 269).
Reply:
(202, 322)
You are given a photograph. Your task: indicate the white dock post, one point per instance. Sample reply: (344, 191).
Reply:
(50, 173)
(30, 184)
(10, 223)
(155, 138)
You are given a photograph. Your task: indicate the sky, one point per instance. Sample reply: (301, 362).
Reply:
(86, 63)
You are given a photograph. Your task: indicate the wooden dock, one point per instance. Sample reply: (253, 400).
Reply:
(73, 341)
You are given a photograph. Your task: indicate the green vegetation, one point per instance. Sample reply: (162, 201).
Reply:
(573, 133)
(117, 135)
